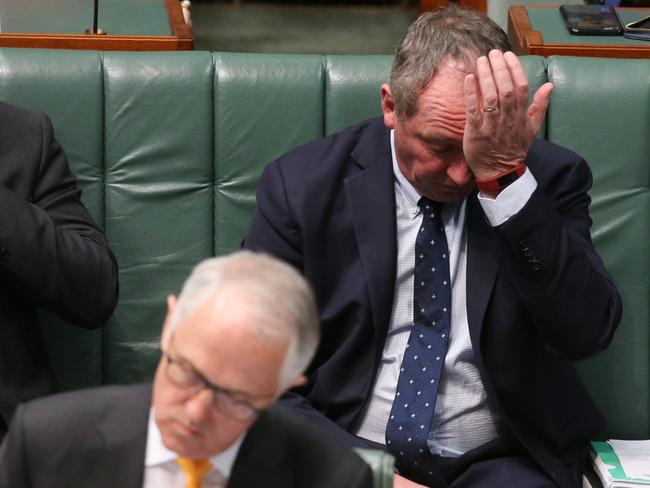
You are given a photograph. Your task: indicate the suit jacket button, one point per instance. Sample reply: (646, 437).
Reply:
(4, 254)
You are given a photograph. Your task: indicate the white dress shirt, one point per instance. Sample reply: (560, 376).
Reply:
(463, 418)
(162, 470)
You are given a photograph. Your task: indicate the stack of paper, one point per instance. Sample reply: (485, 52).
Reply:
(622, 464)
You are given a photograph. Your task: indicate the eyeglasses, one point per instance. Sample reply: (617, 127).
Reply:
(181, 374)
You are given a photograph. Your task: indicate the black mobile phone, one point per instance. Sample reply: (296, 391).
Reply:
(591, 20)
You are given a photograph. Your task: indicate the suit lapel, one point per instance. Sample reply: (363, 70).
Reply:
(371, 198)
(263, 458)
(482, 264)
(125, 440)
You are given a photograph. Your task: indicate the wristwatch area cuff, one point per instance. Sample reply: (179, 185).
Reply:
(502, 180)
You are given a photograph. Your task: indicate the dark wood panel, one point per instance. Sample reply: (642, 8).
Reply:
(526, 40)
(181, 38)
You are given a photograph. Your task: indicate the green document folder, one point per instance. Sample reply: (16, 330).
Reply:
(617, 477)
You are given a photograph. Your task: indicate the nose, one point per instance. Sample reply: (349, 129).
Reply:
(199, 406)
(458, 172)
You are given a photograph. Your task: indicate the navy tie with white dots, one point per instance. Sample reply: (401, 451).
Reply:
(415, 398)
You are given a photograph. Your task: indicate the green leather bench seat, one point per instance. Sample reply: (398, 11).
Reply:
(168, 148)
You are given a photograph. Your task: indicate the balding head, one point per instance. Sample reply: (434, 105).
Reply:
(242, 331)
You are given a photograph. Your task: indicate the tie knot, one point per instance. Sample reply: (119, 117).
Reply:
(429, 206)
(194, 470)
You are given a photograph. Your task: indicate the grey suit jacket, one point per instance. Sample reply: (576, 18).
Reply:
(97, 438)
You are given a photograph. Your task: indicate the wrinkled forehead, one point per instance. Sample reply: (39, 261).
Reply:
(446, 87)
(441, 105)
(463, 65)
(448, 82)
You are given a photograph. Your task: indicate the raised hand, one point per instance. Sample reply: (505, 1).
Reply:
(500, 125)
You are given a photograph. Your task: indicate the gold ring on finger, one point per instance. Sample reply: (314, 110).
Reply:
(489, 109)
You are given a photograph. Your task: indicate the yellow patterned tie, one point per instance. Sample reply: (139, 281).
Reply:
(194, 470)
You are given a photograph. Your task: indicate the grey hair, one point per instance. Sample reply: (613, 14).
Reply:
(453, 32)
(280, 302)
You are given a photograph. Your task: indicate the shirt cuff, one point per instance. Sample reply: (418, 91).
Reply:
(510, 200)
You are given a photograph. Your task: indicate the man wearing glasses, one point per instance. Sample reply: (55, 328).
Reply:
(241, 333)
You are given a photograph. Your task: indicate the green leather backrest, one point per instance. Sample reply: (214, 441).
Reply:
(158, 191)
(168, 148)
(264, 105)
(601, 109)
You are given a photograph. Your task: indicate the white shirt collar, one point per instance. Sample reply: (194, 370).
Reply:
(156, 452)
(407, 190)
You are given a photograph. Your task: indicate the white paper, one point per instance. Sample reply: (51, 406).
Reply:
(634, 457)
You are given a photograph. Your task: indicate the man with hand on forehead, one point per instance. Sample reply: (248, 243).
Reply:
(244, 328)
(452, 262)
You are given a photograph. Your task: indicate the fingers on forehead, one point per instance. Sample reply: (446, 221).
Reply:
(500, 71)
(486, 81)
(519, 78)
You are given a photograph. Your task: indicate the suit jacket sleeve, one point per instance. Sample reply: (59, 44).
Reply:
(50, 248)
(560, 277)
(274, 230)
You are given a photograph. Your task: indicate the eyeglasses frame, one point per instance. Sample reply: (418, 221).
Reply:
(202, 383)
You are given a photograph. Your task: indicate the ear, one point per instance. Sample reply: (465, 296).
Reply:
(388, 106)
(167, 330)
(299, 381)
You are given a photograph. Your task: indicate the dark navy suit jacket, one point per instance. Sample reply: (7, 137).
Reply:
(538, 295)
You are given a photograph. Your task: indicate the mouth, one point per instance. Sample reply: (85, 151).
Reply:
(187, 430)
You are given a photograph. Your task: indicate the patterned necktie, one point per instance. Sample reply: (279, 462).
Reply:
(194, 470)
(415, 398)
